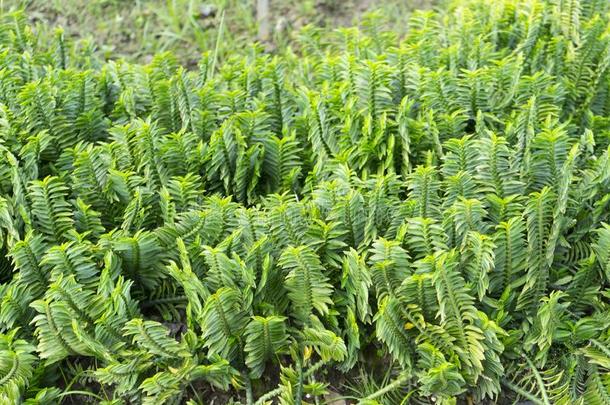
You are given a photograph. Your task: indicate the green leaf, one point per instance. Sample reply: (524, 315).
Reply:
(266, 338)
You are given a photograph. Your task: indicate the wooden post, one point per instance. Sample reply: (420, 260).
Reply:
(262, 17)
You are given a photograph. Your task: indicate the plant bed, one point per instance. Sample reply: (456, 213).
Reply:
(385, 220)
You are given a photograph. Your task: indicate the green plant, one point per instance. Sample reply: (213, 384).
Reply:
(431, 209)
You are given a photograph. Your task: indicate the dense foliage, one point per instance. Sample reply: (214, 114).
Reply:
(270, 227)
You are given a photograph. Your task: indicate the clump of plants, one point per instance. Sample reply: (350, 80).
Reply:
(390, 220)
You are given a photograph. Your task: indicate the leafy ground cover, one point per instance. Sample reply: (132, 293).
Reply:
(137, 30)
(366, 216)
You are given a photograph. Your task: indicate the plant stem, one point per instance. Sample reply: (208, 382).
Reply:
(249, 396)
(299, 392)
(401, 379)
(217, 45)
(521, 392)
(271, 394)
(274, 393)
(86, 393)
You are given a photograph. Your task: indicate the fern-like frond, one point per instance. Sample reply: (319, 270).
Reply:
(307, 285)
